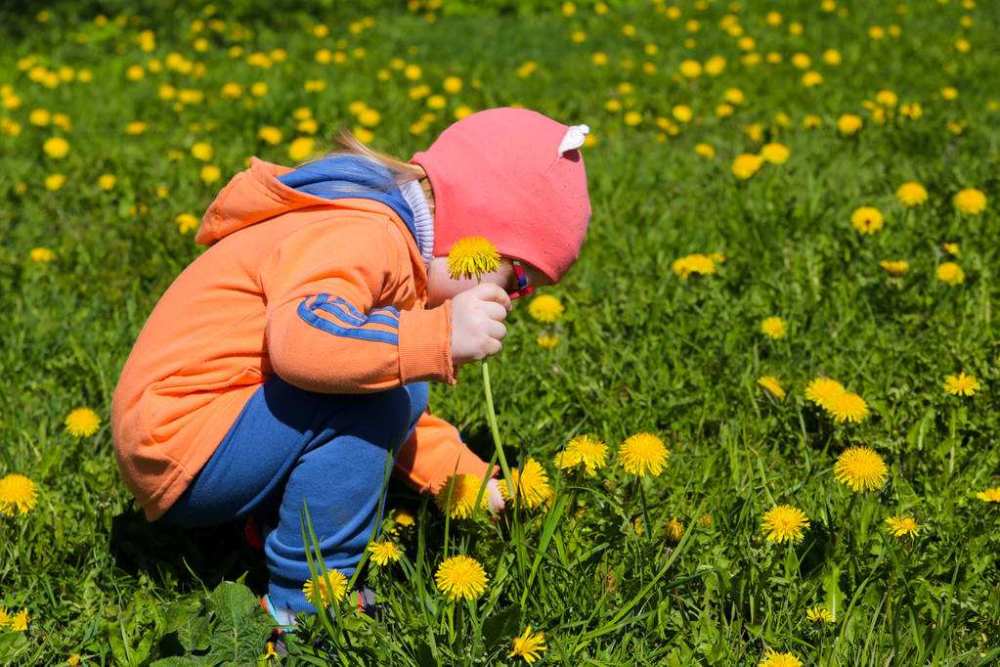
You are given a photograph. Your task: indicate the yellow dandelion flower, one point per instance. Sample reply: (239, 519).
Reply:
(961, 384)
(952, 249)
(106, 181)
(861, 468)
(307, 126)
(705, 150)
(690, 69)
(17, 494)
(991, 495)
(970, 201)
(785, 523)
(774, 659)
(471, 257)
(461, 578)
(457, 496)
(210, 174)
(633, 118)
(270, 134)
(895, 267)
(202, 151)
(950, 273)
(886, 98)
(530, 483)
(674, 529)
(911, 194)
(695, 264)
(545, 308)
(269, 651)
(775, 153)
(847, 407)
(54, 182)
(715, 65)
(301, 148)
(823, 390)
(772, 386)
(902, 526)
(40, 117)
(811, 79)
(185, 222)
(734, 96)
(643, 454)
(383, 553)
(867, 219)
(547, 341)
(42, 255)
(73, 660)
(403, 519)
(369, 117)
(746, 165)
(773, 327)
(82, 422)
(819, 614)
(528, 645)
(328, 588)
(849, 124)
(19, 621)
(584, 450)
(682, 113)
(56, 147)
(911, 110)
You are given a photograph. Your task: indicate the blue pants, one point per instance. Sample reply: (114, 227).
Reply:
(289, 445)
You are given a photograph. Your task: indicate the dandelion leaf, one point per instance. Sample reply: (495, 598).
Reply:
(186, 619)
(501, 626)
(834, 597)
(240, 630)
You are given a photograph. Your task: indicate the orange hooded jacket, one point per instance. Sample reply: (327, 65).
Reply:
(240, 313)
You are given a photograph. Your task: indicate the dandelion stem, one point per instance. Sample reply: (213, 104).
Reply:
(491, 417)
(645, 510)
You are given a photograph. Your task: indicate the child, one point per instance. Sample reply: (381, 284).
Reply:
(289, 362)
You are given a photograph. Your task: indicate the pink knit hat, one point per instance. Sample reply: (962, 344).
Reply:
(516, 177)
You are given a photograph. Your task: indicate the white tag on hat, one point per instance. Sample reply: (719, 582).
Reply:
(575, 136)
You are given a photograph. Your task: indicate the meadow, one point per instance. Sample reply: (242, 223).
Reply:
(757, 422)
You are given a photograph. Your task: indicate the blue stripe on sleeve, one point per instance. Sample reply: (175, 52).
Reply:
(358, 321)
(308, 314)
(388, 309)
(357, 313)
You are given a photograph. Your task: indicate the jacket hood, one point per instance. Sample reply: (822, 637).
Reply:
(255, 195)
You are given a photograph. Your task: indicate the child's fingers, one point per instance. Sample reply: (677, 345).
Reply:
(496, 498)
(495, 311)
(493, 292)
(496, 330)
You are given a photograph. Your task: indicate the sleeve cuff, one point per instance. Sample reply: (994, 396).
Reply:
(425, 345)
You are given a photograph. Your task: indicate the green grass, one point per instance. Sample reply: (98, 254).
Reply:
(640, 349)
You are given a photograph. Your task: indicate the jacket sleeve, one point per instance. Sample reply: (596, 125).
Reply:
(330, 329)
(433, 453)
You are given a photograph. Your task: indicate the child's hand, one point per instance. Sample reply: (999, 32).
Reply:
(495, 498)
(477, 322)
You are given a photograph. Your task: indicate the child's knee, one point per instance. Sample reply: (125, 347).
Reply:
(392, 411)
